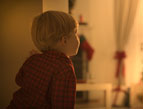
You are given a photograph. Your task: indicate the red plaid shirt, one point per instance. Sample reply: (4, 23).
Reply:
(46, 81)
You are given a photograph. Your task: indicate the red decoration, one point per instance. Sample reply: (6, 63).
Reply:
(89, 50)
(81, 18)
(120, 56)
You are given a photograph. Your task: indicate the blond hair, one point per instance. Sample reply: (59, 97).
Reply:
(49, 27)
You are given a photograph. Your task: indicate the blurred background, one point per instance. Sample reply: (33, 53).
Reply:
(111, 50)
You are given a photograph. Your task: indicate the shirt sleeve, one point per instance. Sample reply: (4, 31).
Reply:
(20, 75)
(64, 90)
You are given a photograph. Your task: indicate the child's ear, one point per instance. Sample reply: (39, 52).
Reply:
(63, 40)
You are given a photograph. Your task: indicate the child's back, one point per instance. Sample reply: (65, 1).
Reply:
(45, 75)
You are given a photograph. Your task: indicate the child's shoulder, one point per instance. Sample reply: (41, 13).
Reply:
(33, 57)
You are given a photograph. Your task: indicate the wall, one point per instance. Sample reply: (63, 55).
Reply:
(134, 59)
(99, 33)
(60, 5)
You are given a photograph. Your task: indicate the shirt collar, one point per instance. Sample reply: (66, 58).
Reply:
(57, 55)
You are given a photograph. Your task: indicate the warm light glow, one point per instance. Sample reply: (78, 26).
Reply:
(139, 68)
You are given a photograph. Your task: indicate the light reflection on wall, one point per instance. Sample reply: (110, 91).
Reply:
(138, 33)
